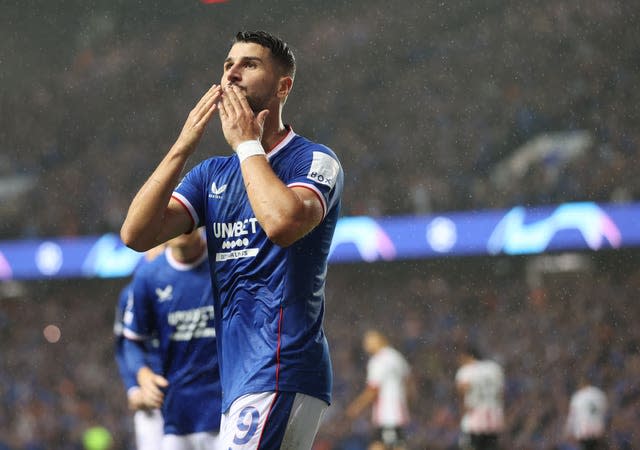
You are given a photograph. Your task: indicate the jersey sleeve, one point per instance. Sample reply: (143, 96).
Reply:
(375, 372)
(138, 315)
(462, 375)
(319, 171)
(499, 375)
(190, 193)
(126, 374)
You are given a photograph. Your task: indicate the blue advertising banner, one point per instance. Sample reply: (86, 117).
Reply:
(582, 226)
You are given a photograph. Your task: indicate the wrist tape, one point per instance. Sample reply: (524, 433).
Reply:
(249, 148)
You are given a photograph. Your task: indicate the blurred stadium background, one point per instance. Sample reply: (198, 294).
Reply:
(433, 107)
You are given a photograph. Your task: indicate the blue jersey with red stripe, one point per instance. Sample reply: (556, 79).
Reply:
(269, 300)
(173, 302)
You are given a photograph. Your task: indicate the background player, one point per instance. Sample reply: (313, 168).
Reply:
(480, 384)
(586, 422)
(172, 301)
(388, 386)
(270, 212)
(148, 424)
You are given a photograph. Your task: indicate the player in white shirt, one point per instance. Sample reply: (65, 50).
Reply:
(388, 383)
(480, 384)
(587, 418)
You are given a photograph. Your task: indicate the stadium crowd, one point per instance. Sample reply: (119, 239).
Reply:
(421, 104)
(546, 336)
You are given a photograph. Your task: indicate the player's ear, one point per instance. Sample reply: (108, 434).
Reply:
(285, 84)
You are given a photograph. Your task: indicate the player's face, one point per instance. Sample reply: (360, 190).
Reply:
(370, 343)
(251, 67)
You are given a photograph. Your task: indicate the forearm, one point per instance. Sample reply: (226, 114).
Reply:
(135, 355)
(283, 214)
(149, 221)
(143, 226)
(366, 398)
(128, 376)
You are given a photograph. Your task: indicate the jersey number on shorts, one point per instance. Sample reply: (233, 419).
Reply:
(247, 425)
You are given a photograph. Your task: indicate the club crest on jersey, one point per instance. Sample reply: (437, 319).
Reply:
(165, 294)
(216, 192)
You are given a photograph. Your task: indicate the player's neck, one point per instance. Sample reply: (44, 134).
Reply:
(274, 132)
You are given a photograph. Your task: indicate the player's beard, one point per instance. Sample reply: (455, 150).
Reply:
(257, 104)
(260, 102)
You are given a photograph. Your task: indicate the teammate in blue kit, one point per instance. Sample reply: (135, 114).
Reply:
(148, 423)
(172, 302)
(270, 211)
(147, 420)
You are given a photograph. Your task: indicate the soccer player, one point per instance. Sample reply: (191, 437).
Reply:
(388, 386)
(147, 421)
(172, 301)
(270, 211)
(480, 384)
(587, 418)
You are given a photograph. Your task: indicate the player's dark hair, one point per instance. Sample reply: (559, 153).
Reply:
(279, 49)
(472, 351)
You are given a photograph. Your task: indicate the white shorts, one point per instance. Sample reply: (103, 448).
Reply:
(149, 429)
(195, 441)
(272, 420)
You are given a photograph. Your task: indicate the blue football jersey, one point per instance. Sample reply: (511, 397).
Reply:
(152, 355)
(173, 302)
(126, 374)
(269, 300)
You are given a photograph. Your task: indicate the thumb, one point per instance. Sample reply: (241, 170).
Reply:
(262, 116)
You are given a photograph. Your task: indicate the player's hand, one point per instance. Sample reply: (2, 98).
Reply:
(199, 116)
(239, 123)
(136, 399)
(151, 385)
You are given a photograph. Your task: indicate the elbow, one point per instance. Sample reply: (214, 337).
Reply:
(284, 233)
(285, 228)
(281, 235)
(133, 240)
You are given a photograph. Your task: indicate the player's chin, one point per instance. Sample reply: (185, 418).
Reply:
(255, 106)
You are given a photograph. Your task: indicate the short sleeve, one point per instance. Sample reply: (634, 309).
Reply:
(462, 375)
(375, 372)
(189, 193)
(320, 171)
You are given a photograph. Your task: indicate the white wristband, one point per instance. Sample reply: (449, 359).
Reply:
(249, 148)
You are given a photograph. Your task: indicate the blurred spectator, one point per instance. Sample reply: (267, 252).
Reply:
(51, 392)
(422, 104)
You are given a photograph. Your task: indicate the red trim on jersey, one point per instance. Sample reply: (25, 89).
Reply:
(193, 222)
(306, 186)
(289, 130)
